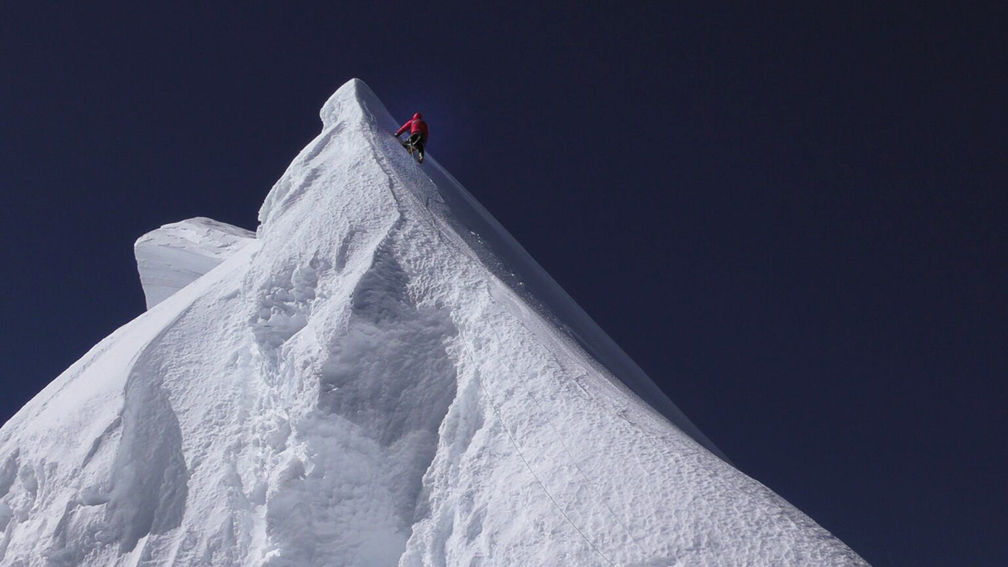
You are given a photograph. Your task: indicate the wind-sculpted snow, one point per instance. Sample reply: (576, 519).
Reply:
(381, 377)
(176, 254)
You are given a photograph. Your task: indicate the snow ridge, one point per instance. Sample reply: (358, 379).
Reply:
(382, 376)
(176, 254)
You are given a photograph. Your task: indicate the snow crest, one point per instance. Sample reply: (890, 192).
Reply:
(176, 254)
(382, 376)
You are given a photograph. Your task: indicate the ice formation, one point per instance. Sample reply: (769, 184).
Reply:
(381, 377)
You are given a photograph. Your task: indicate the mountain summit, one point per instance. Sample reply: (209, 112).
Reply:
(381, 376)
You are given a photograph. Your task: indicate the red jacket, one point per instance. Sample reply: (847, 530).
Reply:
(414, 125)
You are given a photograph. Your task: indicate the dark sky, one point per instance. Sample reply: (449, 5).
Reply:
(793, 219)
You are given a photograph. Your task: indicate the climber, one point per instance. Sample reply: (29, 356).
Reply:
(418, 135)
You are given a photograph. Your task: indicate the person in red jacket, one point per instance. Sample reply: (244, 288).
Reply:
(418, 133)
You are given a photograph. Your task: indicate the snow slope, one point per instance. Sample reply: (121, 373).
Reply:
(176, 254)
(381, 377)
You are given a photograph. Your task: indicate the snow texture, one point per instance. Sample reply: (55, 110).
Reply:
(176, 254)
(382, 377)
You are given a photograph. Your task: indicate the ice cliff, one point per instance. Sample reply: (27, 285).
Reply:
(382, 377)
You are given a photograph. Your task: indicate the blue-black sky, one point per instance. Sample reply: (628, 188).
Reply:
(792, 218)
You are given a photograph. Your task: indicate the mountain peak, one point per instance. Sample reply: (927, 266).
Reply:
(382, 377)
(355, 99)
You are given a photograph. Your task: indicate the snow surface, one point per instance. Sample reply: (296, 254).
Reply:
(382, 377)
(176, 254)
